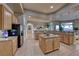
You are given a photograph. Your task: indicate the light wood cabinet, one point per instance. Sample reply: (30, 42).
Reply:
(61, 36)
(5, 18)
(67, 38)
(15, 20)
(49, 44)
(8, 47)
(42, 44)
(5, 48)
(71, 41)
(14, 42)
(56, 43)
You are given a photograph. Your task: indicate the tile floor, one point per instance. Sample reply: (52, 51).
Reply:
(31, 48)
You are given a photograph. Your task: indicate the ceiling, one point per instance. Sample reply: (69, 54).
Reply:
(16, 8)
(38, 19)
(43, 7)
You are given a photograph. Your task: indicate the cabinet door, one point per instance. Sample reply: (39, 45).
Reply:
(42, 44)
(14, 21)
(1, 17)
(14, 41)
(6, 48)
(49, 45)
(62, 37)
(66, 38)
(56, 43)
(7, 19)
(71, 39)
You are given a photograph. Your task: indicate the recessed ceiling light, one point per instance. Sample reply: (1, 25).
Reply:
(51, 6)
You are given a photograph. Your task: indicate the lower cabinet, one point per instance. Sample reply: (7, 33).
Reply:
(8, 47)
(14, 42)
(49, 44)
(67, 38)
(61, 36)
(56, 43)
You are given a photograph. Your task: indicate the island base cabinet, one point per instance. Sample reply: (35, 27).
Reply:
(67, 38)
(42, 44)
(71, 41)
(56, 44)
(49, 45)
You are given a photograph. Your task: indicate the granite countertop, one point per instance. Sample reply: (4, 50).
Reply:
(9, 38)
(49, 36)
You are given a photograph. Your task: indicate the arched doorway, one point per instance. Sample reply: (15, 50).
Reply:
(30, 32)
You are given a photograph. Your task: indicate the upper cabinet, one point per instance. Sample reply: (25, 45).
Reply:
(15, 20)
(5, 18)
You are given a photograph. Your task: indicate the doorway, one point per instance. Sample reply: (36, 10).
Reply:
(30, 31)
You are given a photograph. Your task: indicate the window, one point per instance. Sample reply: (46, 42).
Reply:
(57, 28)
(67, 26)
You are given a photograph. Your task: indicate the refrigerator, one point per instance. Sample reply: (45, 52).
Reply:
(19, 34)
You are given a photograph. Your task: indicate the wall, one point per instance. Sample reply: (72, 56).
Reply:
(76, 24)
(30, 13)
(36, 23)
(70, 12)
(23, 23)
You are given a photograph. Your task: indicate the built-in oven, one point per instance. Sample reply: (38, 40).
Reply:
(12, 32)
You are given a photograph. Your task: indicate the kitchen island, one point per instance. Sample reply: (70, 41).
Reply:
(49, 43)
(67, 37)
(37, 34)
(8, 46)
